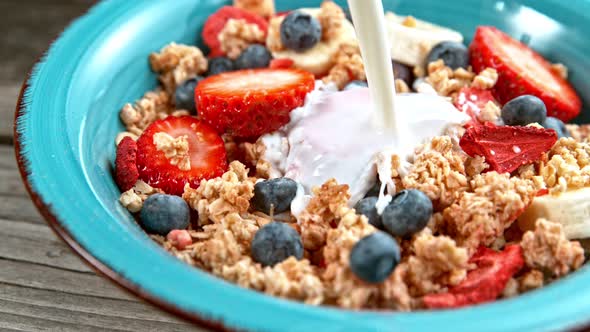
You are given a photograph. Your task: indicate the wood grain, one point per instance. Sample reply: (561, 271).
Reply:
(44, 286)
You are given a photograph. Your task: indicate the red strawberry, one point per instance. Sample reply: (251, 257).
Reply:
(126, 173)
(216, 22)
(249, 103)
(471, 101)
(507, 148)
(206, 151)
(522, 71)
(283, 63)
(485, 283)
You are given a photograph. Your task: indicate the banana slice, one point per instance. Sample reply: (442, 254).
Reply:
(412, 39)
(571, 209)
(319, 59)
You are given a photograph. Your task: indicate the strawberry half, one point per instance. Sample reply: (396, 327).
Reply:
(126, 173)
(472, 101)
(522, 71)
(506, 148)
(485, 283)
(206, 151)
(216, 22)
(249, 103)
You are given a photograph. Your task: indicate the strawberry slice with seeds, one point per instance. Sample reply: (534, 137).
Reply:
(206, 152)
(217, 21)
(283, 63)
(507, 148)
(472, 101)
(522, 71)
(485, 283)
(126, 173)
(249, 103)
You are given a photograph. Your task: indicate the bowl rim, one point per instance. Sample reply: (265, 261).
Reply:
(58, 226)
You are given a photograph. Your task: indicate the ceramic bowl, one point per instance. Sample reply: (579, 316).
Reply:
(68, 118)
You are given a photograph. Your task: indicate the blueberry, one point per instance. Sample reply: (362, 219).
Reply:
(403, 72)
(161, 214)
(366, 207)
(355, 85)
(274, 195)
(254, 56)
(185, 94)
(374, 257)
(275, 242)
(300, 31)
(220, 65)
(524, 110)
(375, 190)
(557, 125)
(455, 55)
(409, 212)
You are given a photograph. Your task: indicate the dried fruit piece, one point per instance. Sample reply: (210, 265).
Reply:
(250, 103)
(483, 284)
(472, 101)
(206, 151)
(507, 148)
(216, 22)
(283, 63)
(522, 71)
(126, 173)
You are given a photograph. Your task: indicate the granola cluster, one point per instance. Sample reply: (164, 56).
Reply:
(348, 66)
(264, 8)
(176, 63)
(331, 18)
(447, 82)
(133, 198)
(567, 166)
(237, 35)
(547, 249)
(152, 106)
(175, 149)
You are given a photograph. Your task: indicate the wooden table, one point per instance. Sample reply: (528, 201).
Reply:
(44, 286)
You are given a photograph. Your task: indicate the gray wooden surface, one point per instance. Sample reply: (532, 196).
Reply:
(44, 286)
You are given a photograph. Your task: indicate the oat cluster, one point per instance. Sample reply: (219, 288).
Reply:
(176, 149)
(567, 166)
(547, 249)
(264, 8)
(133, 198)
(447, 82)
(237, 35)
(331, 18)
(348, 66)
(176, 63)
(152, 106)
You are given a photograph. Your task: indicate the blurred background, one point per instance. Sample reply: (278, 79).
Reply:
(44, 286)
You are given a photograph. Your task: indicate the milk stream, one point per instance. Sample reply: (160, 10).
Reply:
(369, 21)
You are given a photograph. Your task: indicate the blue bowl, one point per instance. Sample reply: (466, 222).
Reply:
(68, 118)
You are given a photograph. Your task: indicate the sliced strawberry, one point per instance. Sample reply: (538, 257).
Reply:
(126, 173)
(506, 148)
(522, 71)
(485, 283)
(284, 63)
(216, 22)
(471, 101)
(253, 102)
(206, 151)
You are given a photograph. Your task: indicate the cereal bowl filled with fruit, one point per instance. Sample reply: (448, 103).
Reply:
(230, 162)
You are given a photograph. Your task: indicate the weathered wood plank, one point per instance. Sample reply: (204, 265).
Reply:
(85, 304)
(56, 279)
(54, 312)
(37, 244)
(24, 323)
(19, 208)
(8, 97)
(7, 157)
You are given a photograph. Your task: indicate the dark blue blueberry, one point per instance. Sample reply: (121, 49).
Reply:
(161, 214)
(558, 126)
(254, 56)
(275, 242)
(374, 257)
(366, 207)
(185, 94)
(409, 212)
(300, 31)
(220, 65)
(375, 190)
(403, 72)
(355, 85)
(455, 55)
(274, 195)
(524, 110)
